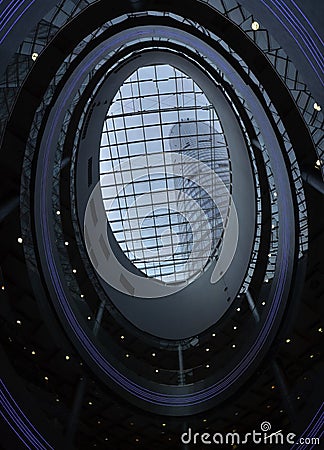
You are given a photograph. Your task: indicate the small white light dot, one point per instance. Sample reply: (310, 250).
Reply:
(89, 317)
(127, 355)
(205, 420)
(2, 287)
(320, 330)
(33, 352)
(20, 241)
(269, 255)
(317, 107)
(122, 337)
(34, 56)
(255, 25)
(18, 322)
(318, 163)
(235, 327)
(213, 334)
(275, 194)
(156, 370)
(57, 399)
(263, 303)
(74, 270)
(46, 378)
(272, 226)
(207, 366)
(82, 295)
(233, 345)
(90, 403)
(153, 354)
(58, 213)
(311, 356)
(67, 357)
(238, 309)
(66, 243)
(207, 349)
(266, 280)
(163, 424)
(288, 341)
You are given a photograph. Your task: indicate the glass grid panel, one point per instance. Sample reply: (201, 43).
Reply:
(164, 220)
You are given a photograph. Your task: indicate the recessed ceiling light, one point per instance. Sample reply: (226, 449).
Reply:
(20, 241)
(204, 420)
(269, 255)
(320, 330)
(82, 295)
(2, 287)
(156, 370)
(255, 25)
(207, 349)
(127, 355)
(46, 378)
(235, 327)
(66, 243)
(57, 399)
(233, 345)
(67, 357)
(18, 322)
(213, 334)
(34, 56)
(266, 280)
(163, 424)
(273, 386)
(238, 309)
(288, 340)
(263, 303)
(311, 356)
(74, 270)
(122, 337)
(317, 107)
(58, 213)
(207, 366)
(90, 403)
(33, 352)
(318, 163)
(89, 317)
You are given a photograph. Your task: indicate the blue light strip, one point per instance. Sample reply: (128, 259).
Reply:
(16, 20)
(21, 421)
(294, 38)
(312, 430)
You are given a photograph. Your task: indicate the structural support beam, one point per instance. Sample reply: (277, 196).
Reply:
(284, 391)
(75, 413)
(99, 317)
(252, 306)
(181, 378)
(313, 178)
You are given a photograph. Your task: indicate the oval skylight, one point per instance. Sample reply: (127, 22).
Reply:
(162, 142)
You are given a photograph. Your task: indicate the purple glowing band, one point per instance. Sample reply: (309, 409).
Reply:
(308, 21)
(128, 385)
(297, 42)
(302, 32)
(310, 428)
(9, 11)
(27, 429)
(16, 20)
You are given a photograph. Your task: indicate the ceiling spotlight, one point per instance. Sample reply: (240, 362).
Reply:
(122, 337)
(90, 403)
(263, 303)
(235, 327)
(273, 386)
(2, 287)
(288, 340)
(255, 25)
(207, 366)
(163, 424)
(320, 330)
(66, 243)
(74, 270)
(213, 334)
(156, 370)
(58, 213)
(33, 352)
(153, 354)
(67, 357)
(82, 295)
(233, 346)
(317, 107)
(311, 356)
(18, 322)
(238, 309)
(89, 317)
(269, 255)
(266, 280)
(46, 378)
(20, 241)
(318, 163)
(204, 420)
(207, 349)
(34, 56)
(127, 355)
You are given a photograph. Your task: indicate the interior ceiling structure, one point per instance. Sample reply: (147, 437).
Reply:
(161, 237)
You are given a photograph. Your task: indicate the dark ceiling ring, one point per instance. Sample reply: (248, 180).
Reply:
(165, 399)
